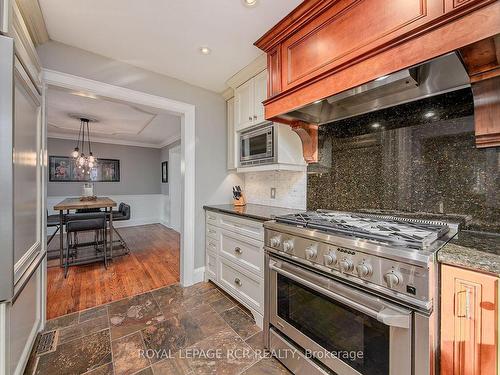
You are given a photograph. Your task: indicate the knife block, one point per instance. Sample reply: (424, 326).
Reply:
(240, 202)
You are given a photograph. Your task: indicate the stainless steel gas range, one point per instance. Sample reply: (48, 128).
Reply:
(349, 293)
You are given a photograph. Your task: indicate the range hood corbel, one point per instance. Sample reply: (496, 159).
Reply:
(308, 134)
(482, 63)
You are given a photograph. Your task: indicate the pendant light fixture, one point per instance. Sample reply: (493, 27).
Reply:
(84, 162)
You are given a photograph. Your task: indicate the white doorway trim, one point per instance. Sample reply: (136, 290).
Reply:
(175, 187)
(187, 113)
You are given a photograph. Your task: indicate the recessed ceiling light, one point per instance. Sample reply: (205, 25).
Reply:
(250, 3)
(205, 51)
(381, 78)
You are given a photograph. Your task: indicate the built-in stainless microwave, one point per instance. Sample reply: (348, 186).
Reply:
(258, 146)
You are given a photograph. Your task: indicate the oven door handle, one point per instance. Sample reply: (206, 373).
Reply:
(386, 315)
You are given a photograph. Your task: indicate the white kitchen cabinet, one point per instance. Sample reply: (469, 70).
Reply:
(243, 101)
(235, 259)
(249, 110)
(232, 161)
(20, 321)
(260, 94)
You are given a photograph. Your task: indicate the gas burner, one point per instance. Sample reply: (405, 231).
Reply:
(412, 234)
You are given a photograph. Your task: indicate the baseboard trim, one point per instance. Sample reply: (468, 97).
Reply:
(199, 275)
(165, 223)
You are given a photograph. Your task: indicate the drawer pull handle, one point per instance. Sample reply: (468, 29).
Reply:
(237, 282)
(237, 250)
(211, 231)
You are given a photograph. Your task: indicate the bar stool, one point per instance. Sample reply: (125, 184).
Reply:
(97, 224)
(53, 222)
(123, 213)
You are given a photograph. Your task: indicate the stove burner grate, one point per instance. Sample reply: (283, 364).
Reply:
(389, 230)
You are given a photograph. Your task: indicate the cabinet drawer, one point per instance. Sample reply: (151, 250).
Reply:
(211, 217)
(211, 264)
(244, 251)
(212, 232)
(247, 287)
(212, 245)
(250, 228)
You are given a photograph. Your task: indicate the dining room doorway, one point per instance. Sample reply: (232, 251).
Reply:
(154, 255)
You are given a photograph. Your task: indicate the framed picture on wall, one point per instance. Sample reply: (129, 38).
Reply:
(164, 172)
(63, 169)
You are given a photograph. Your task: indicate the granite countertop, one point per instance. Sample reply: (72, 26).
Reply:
(478, 251)
(253, 211)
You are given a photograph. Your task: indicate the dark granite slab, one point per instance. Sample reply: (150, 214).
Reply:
(253, 211)
(416, 157)
(478, 251)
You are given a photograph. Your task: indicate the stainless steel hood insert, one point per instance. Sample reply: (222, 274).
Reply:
(434, 77)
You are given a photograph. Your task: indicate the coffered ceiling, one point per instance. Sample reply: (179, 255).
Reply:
(117, 122)
(165, 36)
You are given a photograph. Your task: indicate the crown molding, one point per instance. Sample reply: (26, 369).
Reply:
(33, 18)
(249, 71)
(170, 140)
(111, 141)
(228, 93)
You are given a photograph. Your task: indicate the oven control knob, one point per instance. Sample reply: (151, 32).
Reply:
(288, 246)
(275, 241)
(311, 252)
(330, 259)
(364, 269)
(393, 279)
(346, 265)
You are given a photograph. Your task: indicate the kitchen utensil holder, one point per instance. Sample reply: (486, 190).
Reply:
(241, 201)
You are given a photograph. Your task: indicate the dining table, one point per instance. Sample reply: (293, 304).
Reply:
(77, 204)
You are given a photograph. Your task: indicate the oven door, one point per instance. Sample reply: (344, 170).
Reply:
(257, 144)
(348, 331)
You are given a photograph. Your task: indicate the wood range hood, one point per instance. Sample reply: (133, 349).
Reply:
(325, 47)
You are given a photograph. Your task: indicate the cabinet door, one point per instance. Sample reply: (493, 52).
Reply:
(231, 136)
(469, 314)
(260, 89)
(451, 5)
(27, 172)
(243, 97)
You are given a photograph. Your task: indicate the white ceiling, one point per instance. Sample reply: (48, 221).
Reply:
(117, 122)
(164, 36)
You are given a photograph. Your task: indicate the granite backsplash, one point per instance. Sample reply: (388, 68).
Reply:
(415, 157)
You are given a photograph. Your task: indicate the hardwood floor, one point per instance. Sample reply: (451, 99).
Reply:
(153, 263)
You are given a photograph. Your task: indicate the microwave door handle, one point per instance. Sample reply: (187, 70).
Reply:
(387, 316)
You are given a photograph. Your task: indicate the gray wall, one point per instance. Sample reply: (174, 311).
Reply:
(213, 183)
(140, 171)
(164, 157)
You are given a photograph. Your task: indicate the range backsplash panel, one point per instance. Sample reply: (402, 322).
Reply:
(418, 157)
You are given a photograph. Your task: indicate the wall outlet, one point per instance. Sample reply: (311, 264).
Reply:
(273, 193)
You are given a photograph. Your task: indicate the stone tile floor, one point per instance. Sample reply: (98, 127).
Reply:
(171, 331)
